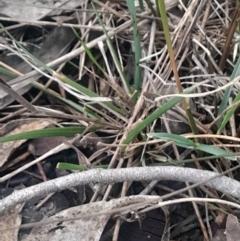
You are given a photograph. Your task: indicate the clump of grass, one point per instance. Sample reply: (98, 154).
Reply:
(126, 112)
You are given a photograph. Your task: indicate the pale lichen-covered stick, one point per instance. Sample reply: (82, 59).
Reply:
(221, 183)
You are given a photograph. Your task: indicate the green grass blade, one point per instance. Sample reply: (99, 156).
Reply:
(163, 13)
(123, 78)
(91, 113)
(158, 112)
(68, 102)
(137, 48)
(216, 151)
(181, 140)
(226, 96)
(229, 114)
(90, 93)
(26, 52)
(140, 4)
(185, 142)
(180, 162)
(7, 73)
(153, 116)
(48, 132)
(150, 6)
(79, 87)
(89, 53)
(71, 167)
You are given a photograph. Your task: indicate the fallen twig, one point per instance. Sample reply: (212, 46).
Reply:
(110, 176)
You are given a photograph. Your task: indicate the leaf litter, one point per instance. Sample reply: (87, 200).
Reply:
(198, 35)
(19, 126)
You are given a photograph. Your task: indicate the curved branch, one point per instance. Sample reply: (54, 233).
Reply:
(110, 176)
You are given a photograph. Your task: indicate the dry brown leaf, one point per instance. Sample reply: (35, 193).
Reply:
(104, 88)
(83, 229)
(232, 228)
(220, 235)
(33, 10)
(7, 148)
(46, 52)
(42, 145)
(220, 219)
(10, 218)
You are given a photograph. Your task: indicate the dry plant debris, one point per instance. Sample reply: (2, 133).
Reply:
(20, 126)
(86, 228)
(56, 55)
(10, 218)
